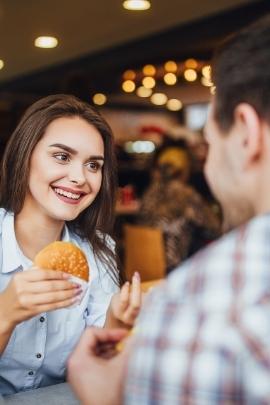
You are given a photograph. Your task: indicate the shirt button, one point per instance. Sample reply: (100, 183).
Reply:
(42, 319)
(38, 355)
(30, 372)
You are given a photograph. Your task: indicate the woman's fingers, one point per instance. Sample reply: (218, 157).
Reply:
(124, 297)
(53, 297)
(51, 285)
(135, 297)
(56, 305)
(136, 294)
(37, 274)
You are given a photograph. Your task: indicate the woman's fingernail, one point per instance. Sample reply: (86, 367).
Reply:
(137, 275)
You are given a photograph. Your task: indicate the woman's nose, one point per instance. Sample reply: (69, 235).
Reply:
(76, 174)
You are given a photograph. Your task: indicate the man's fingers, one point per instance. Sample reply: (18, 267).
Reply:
(93, 338)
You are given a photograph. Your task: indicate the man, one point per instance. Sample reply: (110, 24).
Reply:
(204, 337)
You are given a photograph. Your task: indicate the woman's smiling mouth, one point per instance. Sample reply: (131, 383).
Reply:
(67, 195)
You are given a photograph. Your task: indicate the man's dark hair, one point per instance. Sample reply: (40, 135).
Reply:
(241, 73)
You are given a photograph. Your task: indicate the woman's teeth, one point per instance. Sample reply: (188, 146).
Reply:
(67, 194)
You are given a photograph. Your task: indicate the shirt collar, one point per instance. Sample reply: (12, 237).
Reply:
(12, 256)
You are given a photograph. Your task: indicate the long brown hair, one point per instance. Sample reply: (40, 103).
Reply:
(15, 169)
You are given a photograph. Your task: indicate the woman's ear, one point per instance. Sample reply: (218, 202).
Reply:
(250, 128)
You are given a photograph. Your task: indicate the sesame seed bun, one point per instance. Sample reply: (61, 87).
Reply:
(63, 256)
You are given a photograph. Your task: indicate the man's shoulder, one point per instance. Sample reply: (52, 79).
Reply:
(248, 242)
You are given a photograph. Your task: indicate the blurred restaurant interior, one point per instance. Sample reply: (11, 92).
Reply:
(147, 72)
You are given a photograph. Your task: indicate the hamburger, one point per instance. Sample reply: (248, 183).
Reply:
(63, 256)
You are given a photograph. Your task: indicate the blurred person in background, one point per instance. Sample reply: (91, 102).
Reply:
(171, 204)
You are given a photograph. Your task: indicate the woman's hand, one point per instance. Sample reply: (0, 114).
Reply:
(125, 305)
(34, 291)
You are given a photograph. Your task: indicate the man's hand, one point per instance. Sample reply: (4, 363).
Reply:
(94, 371)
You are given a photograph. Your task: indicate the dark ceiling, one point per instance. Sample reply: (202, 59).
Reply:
(102, 70)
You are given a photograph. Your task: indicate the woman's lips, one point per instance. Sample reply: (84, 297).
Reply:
(68, 198)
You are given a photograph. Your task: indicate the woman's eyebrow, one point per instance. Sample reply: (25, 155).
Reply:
(74, 152)
(64, 147)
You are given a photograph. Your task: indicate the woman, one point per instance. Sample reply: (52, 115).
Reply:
(57, 183)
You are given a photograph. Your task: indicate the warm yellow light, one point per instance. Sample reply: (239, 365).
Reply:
(149, 70)
(213, 90)
(174, 104)
(46, 42)
(148, 82)
(129, 75)
(206, 72)
(170, 66)
(159, 98)
(137, 5)
(206, 82)
(190, 75)
(1, 64)
(170, 79)
(143, 92)
(191, 63)
(128, 86)
(99, 99)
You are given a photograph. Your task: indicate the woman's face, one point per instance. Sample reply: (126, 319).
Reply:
(65, 169)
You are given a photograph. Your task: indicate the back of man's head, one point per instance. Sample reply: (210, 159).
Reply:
(241, 73)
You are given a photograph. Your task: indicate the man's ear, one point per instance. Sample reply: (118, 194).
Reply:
(249, 125)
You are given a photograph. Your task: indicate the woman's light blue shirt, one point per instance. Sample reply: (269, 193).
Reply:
(38, 349)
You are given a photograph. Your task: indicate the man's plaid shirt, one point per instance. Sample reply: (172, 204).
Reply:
(204, 336)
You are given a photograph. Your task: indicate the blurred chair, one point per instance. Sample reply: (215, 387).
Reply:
(144, 252)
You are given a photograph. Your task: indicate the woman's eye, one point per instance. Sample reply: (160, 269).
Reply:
(94, 166)
(62, 156)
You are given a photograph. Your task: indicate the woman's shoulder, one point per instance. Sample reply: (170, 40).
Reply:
(86, 244)
(3, 213)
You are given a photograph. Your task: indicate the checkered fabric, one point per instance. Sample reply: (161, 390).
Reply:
(204, 337)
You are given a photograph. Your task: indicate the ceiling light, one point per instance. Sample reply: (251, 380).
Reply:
(149, 82)
(143, 92)
(99, 99)
(46, 42)
(174, 104)
(149, 70)
(190, 75)
(170, 79)
(128, 86)
(129, 74)
(206, 72)
(136, 4)
(206, 82)
(213, 90)
(170, 66)
(159, 98)
(1, 64)
(191, 63)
